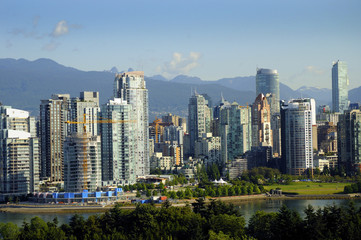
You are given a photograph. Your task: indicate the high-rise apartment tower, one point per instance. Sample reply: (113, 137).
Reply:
(131, 87)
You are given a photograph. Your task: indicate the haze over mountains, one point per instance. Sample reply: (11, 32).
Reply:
(24, 83)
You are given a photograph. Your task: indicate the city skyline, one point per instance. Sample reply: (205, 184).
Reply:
(210, 40)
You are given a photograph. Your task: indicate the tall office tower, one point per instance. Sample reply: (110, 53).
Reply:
(235, 128)
(52, 132)
(349, 141)
(87, 104)
(267, 81)
(199, 119)
(340, 84)
(19, 155)
(261, 122)
(82, 162)
(131, 87)
(296, 131)
(119, 142)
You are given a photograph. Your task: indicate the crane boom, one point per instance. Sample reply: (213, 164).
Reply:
(85, 154)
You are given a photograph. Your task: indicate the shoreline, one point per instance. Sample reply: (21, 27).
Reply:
(47, 208)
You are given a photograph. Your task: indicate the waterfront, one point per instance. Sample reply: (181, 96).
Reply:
(247, 208)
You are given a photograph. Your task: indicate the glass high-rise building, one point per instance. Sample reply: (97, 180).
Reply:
(19, 155)
(296, 130)
(131, 87)
(199, 118)
(340, 84)
(267, 81)
(349, 141)
(119, 142)
(53, 130)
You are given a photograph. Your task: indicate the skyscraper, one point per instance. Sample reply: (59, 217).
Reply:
(235, 127)
(82, 162)
(199, 119)
(340, 84)
(349, 141)
(87, 104)
(52, 132)
(296, 130)
(131, 87)
(19, 155)
(267, 81)
(119, 142)
(261, 122)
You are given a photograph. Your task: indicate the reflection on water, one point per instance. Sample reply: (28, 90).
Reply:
(246, 208)
(271, 205)
(19, 218)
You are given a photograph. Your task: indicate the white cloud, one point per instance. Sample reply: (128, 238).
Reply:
(314, 70)
(179, 64)
(60, 29)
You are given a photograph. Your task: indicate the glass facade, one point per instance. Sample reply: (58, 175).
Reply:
(340, 84)
(267, 81)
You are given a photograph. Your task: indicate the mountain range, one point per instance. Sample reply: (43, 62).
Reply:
(24, 83)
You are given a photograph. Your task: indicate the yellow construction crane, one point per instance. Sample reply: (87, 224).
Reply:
(244, 106)
(156, 122)
(85, 155)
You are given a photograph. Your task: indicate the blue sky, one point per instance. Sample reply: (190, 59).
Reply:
(204, 38)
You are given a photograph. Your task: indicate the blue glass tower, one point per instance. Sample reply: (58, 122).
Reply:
(340, 83)
(267, 81)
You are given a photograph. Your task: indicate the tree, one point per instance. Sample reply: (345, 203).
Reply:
(138, 194)
(199, 206)
(261, 225)
(166, 204)
(9, 231)
(188, 193)
(231, 225)
(172, 195)
(288, 224)
(180, 194)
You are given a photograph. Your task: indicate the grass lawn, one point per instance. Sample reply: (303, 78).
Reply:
(310, 188)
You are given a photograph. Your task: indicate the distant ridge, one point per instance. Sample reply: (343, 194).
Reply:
(24, 83)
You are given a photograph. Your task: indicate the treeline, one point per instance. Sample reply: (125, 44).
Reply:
(237, 188)
(215, 220)
(353, 188)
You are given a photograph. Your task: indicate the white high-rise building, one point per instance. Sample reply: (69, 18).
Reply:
(131, 87)
(119, 142)
(86, 106)
(235, 129)
(199, 119)
(19, 155)
(340, 84)
(296, 131)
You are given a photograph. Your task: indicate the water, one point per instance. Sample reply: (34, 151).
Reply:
(246, 208)
(18, 218)
(271, 205)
